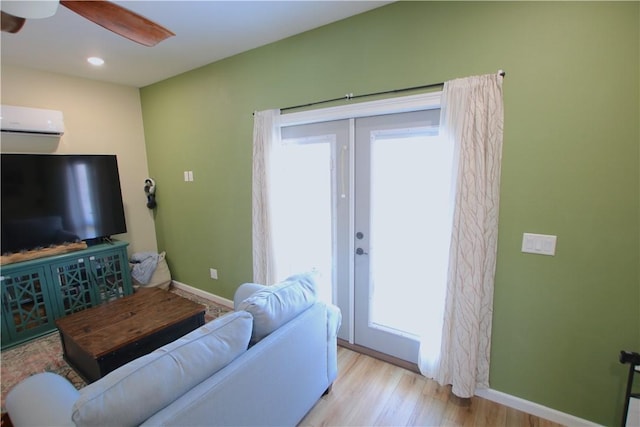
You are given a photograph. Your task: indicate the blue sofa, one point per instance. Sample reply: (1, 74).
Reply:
(267, 363)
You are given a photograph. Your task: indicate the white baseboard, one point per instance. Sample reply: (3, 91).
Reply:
(206, 295)
(533, 408)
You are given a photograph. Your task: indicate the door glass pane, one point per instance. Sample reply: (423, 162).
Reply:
(410, 221)
(302, 210)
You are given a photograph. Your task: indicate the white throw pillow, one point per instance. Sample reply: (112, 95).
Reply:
(134, 392)
(273, 306)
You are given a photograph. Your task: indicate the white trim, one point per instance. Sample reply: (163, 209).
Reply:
(424, 101)
(204, 294)
(533, 408)
(352, 228)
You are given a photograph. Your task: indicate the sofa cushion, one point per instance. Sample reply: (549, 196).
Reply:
(134, 392)
(273, 306)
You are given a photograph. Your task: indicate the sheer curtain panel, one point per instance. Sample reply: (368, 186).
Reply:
(472, 117)
(266, 132)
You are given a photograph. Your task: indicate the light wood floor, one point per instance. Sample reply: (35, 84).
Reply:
(369, 392)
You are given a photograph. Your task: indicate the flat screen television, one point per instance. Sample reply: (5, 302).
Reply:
(50, 199)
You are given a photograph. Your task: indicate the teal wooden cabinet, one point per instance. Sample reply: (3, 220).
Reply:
(35, 293)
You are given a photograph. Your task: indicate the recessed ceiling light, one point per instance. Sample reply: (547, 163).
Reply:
(94, 60)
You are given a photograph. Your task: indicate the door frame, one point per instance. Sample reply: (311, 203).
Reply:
(404, 104)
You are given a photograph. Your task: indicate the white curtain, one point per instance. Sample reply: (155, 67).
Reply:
(472, 116)
(266, 133)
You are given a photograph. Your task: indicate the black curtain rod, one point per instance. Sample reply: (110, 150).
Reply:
(386, 92)
(352, 96)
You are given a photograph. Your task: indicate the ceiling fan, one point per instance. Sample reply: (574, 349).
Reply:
(109, 15)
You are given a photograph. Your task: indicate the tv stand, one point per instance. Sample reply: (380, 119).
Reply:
(37, 292)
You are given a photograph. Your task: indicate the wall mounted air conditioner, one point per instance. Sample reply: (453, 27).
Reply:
(31, 122)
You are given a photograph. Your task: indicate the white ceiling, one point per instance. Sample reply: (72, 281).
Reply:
(206, 31)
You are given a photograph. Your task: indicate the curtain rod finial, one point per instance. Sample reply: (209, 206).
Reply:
(501, 73)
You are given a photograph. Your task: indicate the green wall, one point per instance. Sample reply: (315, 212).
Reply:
(570, 168)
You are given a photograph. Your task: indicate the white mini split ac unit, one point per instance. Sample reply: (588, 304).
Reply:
(32, 130)
(31, 121)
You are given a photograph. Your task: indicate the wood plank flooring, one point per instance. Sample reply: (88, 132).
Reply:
(369, 392)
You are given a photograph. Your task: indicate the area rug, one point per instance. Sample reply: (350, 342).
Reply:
(44, 354)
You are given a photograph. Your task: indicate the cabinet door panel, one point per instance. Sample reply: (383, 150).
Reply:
(73, 286)
(109, 270)
(27, 309)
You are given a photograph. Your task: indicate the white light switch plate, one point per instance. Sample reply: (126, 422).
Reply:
(542, 244)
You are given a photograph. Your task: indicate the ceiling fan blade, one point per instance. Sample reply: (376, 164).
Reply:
(120, 20)
(10, 23)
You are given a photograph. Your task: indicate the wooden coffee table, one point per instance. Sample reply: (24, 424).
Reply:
(100, 339)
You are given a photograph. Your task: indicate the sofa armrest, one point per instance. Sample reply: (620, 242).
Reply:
(43, 399)
(244, 291)
(334, 320)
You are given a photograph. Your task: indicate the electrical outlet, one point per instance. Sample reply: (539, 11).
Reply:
(213, 273)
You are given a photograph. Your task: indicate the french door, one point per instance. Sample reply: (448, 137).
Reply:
(402, 229)
(373, 220)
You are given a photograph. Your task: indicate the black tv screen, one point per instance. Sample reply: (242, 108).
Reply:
(50, 199)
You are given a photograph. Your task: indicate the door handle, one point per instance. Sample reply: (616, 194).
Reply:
(360, 251)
